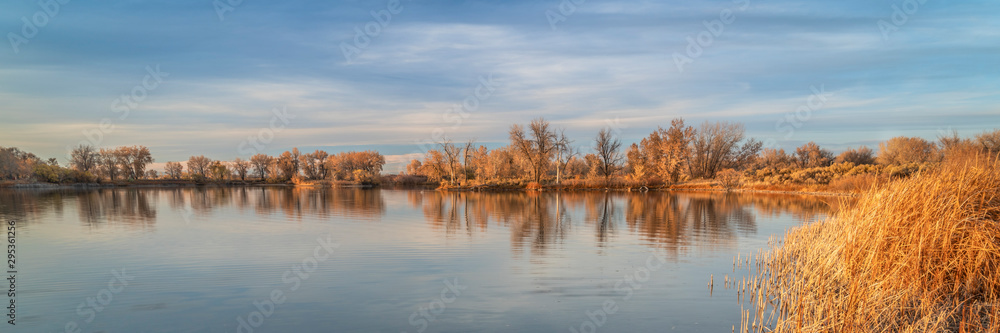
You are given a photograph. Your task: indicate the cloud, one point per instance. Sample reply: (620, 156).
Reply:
(608, 61)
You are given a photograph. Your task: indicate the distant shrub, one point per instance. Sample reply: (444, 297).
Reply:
(729, 178)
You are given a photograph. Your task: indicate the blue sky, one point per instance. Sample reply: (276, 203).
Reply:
(585, 66)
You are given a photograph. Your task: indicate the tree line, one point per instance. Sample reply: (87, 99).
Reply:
(363, 166)
(129, 163)
(537, 154)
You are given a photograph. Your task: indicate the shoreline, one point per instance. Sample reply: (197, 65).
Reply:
(181, 184)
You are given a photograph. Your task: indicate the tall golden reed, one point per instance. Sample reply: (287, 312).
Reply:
(916, 255)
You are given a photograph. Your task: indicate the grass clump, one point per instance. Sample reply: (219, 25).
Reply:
(920, 254)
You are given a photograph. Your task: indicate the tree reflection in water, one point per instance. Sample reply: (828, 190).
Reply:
(675, 222)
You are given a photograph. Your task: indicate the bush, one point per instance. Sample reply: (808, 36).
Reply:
(729, 178)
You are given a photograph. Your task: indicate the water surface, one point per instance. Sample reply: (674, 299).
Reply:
(211, 259)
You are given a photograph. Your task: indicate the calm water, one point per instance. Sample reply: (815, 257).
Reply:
(355, 260)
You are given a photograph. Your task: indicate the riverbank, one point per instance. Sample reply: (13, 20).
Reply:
(916, 255)
(707, 186)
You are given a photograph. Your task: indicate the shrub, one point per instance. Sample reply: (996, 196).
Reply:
(729, 178)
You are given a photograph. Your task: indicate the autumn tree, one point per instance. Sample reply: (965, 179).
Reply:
(133, 161)
(433, 166)
(84, 158)
(314, 165)
(261, 163)
(288, 164)
(859, 156)
(905, 150)
(635, 162)
(295, 161)
(199, 165)
(535, 147)
(774, 158)
(673, 151)
(16, 164)
(498, 164)
(810, 155)
(174, 170)
(577, 168)
(241, 167)
(108, 163)
(219, 170)
(413, 168)
(352, 165)
(714, 146)
(606, 147)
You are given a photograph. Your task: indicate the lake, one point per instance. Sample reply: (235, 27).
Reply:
(283, 259)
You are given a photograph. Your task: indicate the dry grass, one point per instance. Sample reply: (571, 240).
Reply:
(916, 255)
(852, 183)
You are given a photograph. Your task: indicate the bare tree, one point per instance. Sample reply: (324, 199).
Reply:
(199, 165)
(314, 165)
(451, 153)
(241, 167)
(746, 155)
(564, 152)
(466, 153)
(109, 163)
(174, 170)
(84, 158)
(608, 156)
(134, 160)
(260, 163)
(537, 149)
(713, 147)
